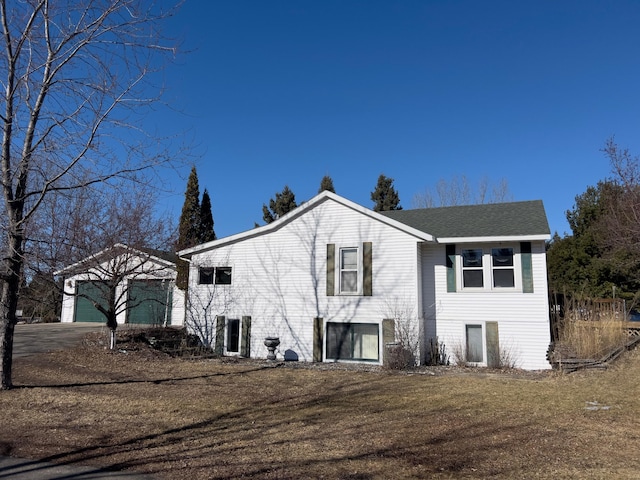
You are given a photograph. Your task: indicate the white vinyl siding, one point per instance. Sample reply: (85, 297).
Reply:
(279, 278)
(523, 318)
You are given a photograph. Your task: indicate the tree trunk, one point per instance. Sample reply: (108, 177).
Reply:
(8, 307)
(112, 339)
(7, 328)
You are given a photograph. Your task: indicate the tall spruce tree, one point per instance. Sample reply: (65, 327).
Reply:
(326, 184)
(282, 204)
(206, 219)
(189, 229)
(385, 195)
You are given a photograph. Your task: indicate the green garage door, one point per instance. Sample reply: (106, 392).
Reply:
(149, 302)
(88, 293)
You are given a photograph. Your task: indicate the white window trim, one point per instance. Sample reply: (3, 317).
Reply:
(487, 268)
(226, 335)
(359, 270)
(483, 334)
(325, 344)
(214, 268)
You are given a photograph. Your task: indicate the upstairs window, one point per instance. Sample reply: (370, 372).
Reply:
(472, 273)
(214, 275)
(205, 276)
(502, 267)
(348, 270)
(223, 276)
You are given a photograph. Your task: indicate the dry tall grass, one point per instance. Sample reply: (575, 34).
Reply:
(592, 338)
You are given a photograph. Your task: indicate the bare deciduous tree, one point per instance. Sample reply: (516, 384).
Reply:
(458, 191)
(122, 278)
(76, 76)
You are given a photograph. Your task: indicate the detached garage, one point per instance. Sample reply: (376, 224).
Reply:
(137, 284)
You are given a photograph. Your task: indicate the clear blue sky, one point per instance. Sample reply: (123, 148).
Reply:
(283, 92)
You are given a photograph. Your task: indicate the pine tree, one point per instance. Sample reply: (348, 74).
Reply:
(189, 228)
(326, 184)
(283, 203)
(206, 219)
(385, 195)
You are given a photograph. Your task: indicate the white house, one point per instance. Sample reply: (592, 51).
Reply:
(138, 282)
(335, 281)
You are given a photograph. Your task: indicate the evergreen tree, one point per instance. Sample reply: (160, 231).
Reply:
(283, 203)
(206, 219)
(189, 228)
(385, 196)
(326, 184)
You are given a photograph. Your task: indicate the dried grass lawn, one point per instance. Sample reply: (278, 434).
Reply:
(217, 419)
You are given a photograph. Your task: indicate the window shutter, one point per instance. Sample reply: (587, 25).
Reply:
(219, 346)
(493, 345)
(245, 339)
(318, 330)
(388, 331)
(331, 269)
(367, 269)
(527, 269)
(451, 268)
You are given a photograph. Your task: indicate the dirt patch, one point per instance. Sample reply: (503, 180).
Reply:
(141, 409)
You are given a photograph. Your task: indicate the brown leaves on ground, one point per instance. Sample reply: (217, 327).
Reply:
(138, 409)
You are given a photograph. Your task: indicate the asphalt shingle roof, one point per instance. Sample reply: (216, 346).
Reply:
(491, 219)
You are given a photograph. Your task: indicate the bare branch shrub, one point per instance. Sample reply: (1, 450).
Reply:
(406, 352)
(437, 353)
(459, 353)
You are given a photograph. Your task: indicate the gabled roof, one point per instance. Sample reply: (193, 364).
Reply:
(301, 210)
(164, 258)
(495, 221)
(488, 222)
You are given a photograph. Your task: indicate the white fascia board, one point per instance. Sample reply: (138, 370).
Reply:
(509, 238)
(296, 212)
(88, 261)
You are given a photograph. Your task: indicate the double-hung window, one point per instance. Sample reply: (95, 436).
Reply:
(472, 269)
(348, 270)
(502, 267)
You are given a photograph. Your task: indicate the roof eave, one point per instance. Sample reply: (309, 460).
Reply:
(503, 238)
(187, 253)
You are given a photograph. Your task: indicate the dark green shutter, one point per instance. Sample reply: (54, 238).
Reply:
(388, 331)
(493, 345)
(245, 339)
(318, 330)
(219, 348)
(367, 269)
(451, 268)
(331, 266)
(527, 269)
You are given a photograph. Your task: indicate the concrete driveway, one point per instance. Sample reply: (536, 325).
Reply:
(30, 339)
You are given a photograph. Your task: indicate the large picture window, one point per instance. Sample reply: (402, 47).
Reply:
(352, 341)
